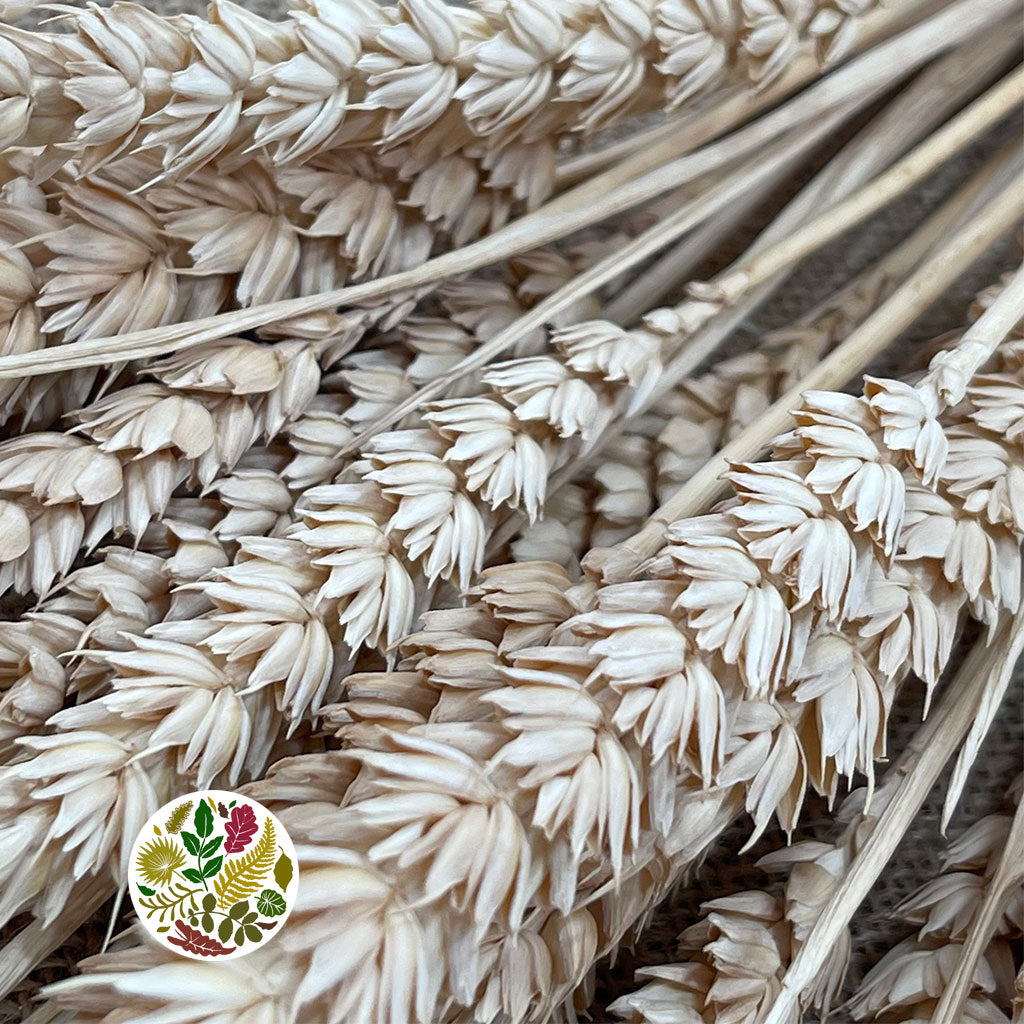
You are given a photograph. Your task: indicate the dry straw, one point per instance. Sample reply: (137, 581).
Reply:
(308, 326)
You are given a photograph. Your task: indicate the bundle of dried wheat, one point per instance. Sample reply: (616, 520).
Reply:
(337, 404)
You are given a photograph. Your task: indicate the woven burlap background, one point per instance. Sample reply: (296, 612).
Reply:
(725, 871)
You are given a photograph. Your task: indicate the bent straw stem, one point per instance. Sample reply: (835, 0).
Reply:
(897, 313)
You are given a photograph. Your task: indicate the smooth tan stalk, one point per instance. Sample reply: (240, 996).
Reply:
(701, 126)
(680, 262)
(932, 746)
(1008, 876)
(897, 313)
(612, 192)
(36, 939)
(1002, 99)
(777, 159)
(938, 91)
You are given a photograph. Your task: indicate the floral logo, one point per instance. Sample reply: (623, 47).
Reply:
(213, 874)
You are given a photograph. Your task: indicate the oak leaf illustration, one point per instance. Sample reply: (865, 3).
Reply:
(240, 828)
(192, 940)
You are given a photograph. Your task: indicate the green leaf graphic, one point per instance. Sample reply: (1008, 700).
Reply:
(207, 922)
(211, 847)
(192, 875)
(147, 892)
(271, 903)
(203, 820)
(224, 931)
(210, 868)
(239, 910)
(209, 902)
(283, 871)
(192, 843)
(240, 937)
(252, 934)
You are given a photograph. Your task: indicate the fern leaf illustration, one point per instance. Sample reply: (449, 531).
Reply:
(172, 902)
(242, 876)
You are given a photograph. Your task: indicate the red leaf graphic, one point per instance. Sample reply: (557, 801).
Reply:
(194, 941)
(241, 827)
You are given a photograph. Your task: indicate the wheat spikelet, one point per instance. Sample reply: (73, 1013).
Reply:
(754, 934)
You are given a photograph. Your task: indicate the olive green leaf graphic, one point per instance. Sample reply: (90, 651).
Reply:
(271, 903)
(159, 859)
(177, 818)
(243, 921)
(283, 872)
(243, 876)
(171, 901)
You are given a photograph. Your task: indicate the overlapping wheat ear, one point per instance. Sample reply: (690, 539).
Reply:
(265, 249)
(943, 974)
(247, 228)
(157, 422)
(595, 755)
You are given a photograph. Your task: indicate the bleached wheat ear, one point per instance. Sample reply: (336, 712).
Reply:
(959, 965)
(600, 198)
(825, 884)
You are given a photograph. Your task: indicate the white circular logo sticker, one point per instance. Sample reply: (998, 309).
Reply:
(213, 875)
